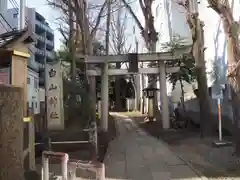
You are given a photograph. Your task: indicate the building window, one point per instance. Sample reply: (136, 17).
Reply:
(35, 83)
(35, 104)
(28, 80)
(15, 15)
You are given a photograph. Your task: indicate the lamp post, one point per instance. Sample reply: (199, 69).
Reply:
(149, 92)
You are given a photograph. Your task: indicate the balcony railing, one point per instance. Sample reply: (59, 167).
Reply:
(39, 37)
(40, 52)
(44, 26)
(51, 43)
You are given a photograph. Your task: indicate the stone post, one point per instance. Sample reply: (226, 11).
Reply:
(164, 97)
(31, 145)
(104, 98)
(11, 133)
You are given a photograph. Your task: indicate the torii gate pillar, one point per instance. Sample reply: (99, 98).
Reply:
(104, 97)
(164, 97)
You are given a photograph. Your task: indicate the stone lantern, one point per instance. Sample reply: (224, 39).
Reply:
(149, 93)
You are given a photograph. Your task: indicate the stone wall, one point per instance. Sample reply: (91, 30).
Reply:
(11, 133)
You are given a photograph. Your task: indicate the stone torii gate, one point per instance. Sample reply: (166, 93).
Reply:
(105, 71)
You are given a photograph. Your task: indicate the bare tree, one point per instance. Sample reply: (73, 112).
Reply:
(231, 30)
(148, 31)
(118, 33)
(196, 27)
(118, 45)
(77, 12)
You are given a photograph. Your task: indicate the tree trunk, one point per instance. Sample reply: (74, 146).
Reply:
(203, 95)
(196, 27)
(72, 101)
(154, 78)
(203, 98)
(231, 30)
(234, 83)
(236, 117)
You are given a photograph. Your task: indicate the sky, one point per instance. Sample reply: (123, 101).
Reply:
(51, 15)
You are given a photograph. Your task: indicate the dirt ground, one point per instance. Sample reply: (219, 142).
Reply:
(208, 160)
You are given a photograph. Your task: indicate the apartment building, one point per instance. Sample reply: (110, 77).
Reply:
(41, 51)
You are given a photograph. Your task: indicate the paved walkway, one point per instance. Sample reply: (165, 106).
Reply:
(134, 155)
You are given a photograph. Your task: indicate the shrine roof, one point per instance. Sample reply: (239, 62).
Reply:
(9, 39)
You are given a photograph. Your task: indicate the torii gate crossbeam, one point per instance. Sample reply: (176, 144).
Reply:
(105, 72)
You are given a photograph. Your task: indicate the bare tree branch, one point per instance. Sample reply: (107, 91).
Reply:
(118, 33)
(140, 26)
(94, 30)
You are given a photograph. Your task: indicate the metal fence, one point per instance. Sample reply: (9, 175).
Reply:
(33, 124)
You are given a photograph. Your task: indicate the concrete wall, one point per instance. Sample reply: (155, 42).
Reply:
(192, 106)
(192, 109)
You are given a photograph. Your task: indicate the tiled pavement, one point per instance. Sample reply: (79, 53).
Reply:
(134, 155)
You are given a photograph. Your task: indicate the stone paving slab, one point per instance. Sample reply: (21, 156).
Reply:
(134, 155)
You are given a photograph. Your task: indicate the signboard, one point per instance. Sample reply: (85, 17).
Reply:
(219, 75)
(55, 116)
(217, 92)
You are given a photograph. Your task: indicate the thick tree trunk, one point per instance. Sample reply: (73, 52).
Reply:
(72, 101)
(236, 117)
(154, 78)
(234, 83)
(203, 98)
(231, 30)
(203, 95)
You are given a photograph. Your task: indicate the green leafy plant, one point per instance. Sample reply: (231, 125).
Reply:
(186, 64)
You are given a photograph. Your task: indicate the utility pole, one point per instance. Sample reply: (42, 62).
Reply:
(104, 80)
(3, 6)
(22, 14)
